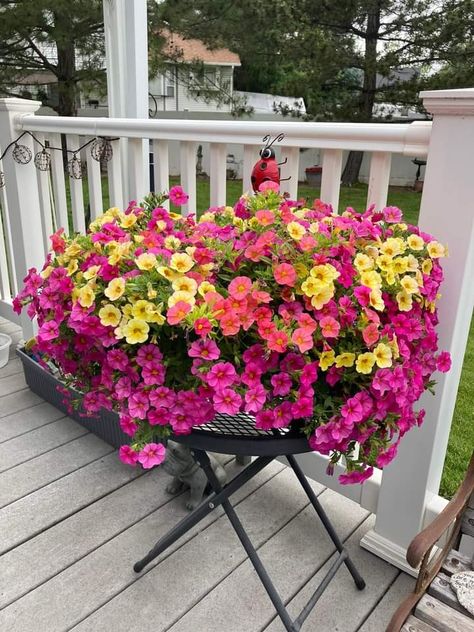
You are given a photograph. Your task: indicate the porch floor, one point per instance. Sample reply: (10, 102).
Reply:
(74, 519)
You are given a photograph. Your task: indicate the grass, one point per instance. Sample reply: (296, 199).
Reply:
(461, 440)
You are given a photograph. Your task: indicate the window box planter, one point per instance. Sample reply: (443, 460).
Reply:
(313, 175)
(45, 384)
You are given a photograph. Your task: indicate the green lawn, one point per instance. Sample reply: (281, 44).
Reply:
(461, 439)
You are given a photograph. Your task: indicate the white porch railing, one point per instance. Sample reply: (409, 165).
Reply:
(405, 496)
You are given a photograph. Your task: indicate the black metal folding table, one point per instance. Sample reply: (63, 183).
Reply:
(238, 435)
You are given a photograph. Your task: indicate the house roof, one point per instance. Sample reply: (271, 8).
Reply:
(190, 50)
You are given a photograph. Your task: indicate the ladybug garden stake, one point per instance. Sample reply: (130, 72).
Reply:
(267, 169)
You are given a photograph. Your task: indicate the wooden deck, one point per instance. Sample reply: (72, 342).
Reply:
(73, 520)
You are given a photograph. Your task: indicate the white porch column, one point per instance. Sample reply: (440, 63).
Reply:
(126, 49)
(410, 485)
(23, 210)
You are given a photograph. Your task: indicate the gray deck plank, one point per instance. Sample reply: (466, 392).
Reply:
(382, 613)
(67, 542)
(12, 384)
(29, 516)
(26, 420)
(23, 448)
(27, 477)
(342, 607)
(70, 596)
(291, 557)
(20, 400)
(14, 366)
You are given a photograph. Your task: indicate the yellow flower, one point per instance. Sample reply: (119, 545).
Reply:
(72, 267)
(168, 273)
(404, 301)
(426, 266)
(136, 331)
(151, 293)
(175, 216)
(385, 262)
(109, 315)
(325, 273)
(389, 277)
(127, 311)
(409, 284)
(322, 296)
(181, 262)
(372, 251)
(139, 309)
(229, 212)
(365, 362)
(160, 226)
(301, 270)
(185, 284)
(46, 272)
(128, 221)
(345, 359)
(415, 242)
(146, 261)
(436, 250)
(412, 263)
(73, 250)
(363, 262)
(393, 246)
(383, 355)
(206, 287)
(371, 279)
(400, 265)
(311, 286)
(326, 359)
(376, 300)
(172, 243)
(239, 223)
(393, 344)
(314, 228)
(296, 231)
(86, 296)
(207, 217)
(154, 315)
(115, 289)
(187, 297)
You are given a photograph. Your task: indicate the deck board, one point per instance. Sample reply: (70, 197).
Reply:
(73, 520)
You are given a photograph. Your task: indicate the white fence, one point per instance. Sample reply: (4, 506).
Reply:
(34, 203)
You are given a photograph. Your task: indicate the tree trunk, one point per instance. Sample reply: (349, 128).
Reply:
(367, 98)
(66, 79)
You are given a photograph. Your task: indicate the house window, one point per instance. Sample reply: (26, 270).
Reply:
(169, 84)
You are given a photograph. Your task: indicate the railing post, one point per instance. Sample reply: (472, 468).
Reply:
(23, 200)
(410, 484)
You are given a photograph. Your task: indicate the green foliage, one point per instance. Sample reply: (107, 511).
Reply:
(56, 43)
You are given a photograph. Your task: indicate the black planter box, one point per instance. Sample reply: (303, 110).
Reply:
(106, 425)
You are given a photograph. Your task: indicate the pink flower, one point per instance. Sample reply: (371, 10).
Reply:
(329, 327)
(202, 326)
(356, 476)
(283, 415)
(443, 363)
(352, 411)
(158, 417)
(128, 425)
(221, 375)
(147, 354)
(176, 313)
(152, 454)
(269, 185)
(285, 274)
(302, 408)
(240, 287)
(384, 458)
(303, 339)
(162, 397)
(362, 294)
(265, 218)
(227, 401)
(264, 419)
(49, 330)
(127, 455)
(281, 383)
(251, 375)
(392, 214)
(138, 405)
(230, 324)
(205, 349)
(255, 399)
(57, 241)
(177, 196)
(370, 334)
(278, 341)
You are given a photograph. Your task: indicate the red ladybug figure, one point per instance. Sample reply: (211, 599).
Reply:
(267, 169)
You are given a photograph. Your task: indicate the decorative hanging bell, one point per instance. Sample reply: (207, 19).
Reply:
(101, 150)
(74, 168)
(21, 154)
(43, 160)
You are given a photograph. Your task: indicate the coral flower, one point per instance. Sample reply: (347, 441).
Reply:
(202, 326)
(303, 339)
(240, 287)
(152, 454)
(285, 274)
(329, 327)
(278, 341)
(176, 313)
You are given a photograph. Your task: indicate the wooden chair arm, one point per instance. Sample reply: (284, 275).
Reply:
(427, 538)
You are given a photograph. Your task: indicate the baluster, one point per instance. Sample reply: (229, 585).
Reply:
(218, 173)
(44, 197)
(291, 170)
(379, 179)
(114, 170)
(188, 174)
(250, 158)
(161, 169)
(77, 197)
(5, 246)
(331, 177)
(95, 185)
(59, 184)
(136, 168)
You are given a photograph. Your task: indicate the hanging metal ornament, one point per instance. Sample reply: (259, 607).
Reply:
(101, 150)
(43, 160)
(2, 179)
(21, 154)
(74, 167)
